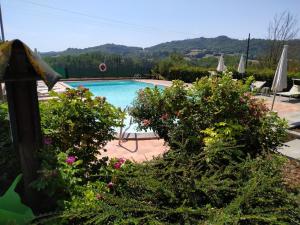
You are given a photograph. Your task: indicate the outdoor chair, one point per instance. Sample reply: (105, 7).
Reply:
(137, 76)
(257, 86)
(293, 92)
(265, 91)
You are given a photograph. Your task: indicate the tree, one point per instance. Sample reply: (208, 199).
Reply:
(283, 28)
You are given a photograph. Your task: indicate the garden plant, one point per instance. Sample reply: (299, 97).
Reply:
(222, 166)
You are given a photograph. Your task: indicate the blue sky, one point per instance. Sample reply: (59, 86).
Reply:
(59, 24)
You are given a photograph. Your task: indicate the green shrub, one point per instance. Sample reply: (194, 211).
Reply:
(185, 189)
(189, 74)
(76, 126)
(9, 158)
(186, 73)
(267, 75)
(221, 168)
(79, 124)
(211, 107)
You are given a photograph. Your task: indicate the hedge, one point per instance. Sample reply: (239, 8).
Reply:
(190, 74)
(186, 73)
(268, 75)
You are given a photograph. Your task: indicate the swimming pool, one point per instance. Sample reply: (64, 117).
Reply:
(120, 93)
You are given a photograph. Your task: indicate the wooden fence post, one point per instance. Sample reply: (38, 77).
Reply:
(24, 117)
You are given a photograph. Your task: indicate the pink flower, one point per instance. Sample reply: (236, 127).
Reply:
(117, 165)
(70, 160)
(47, 140)
(122, 160)
(146, 122)
(110, 185)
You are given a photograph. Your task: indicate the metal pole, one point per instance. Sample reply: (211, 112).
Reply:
(1, 24)
(3, 39)
(247, 53)
(273, 100)
(1, 93)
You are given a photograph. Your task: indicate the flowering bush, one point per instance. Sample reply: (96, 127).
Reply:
(76, 127)
(59, 178)
(79, 124)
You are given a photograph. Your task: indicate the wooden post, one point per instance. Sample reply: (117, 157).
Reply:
(20, 80)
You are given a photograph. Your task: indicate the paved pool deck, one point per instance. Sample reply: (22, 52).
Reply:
(290, 110)
(165, 83)
(136, 150)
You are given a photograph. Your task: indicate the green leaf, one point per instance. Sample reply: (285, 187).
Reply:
(12, 209)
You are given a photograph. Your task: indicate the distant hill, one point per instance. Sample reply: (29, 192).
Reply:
(203, 46)
(107, 48)
(221, 44)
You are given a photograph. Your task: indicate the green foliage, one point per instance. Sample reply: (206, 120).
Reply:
(175, 67)
(219, 44)
(9, 158)
(186, 73)
(264, 74)
(76, 126)
(79, 124)
(222, 167)
(86, 65)
(212, 108)
(56, 174)
(224, 44)
(185, 189)
(211, 62)
(12, 210)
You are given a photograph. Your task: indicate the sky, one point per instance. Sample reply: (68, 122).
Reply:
(55, 25)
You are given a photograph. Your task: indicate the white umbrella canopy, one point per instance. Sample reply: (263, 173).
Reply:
(221, 66)
(280, 78)
(241, 68)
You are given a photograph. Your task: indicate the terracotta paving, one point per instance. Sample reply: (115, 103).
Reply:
(140, 150)
(156, 82)
(289, 110)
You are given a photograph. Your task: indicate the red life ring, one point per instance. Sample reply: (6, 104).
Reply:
(102, 67)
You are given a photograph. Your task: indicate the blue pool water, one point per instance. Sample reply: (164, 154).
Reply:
(120, 93)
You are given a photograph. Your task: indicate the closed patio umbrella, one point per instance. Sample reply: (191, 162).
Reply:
(221, 66)
(280, 78)
(241, 68)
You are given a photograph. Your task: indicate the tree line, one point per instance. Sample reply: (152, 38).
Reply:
(87, 65)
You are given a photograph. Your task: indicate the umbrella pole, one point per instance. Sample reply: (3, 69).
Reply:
(273, 100)
(1, 93)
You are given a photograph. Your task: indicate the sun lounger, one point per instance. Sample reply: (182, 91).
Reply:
(293, 92)
(257, 86)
